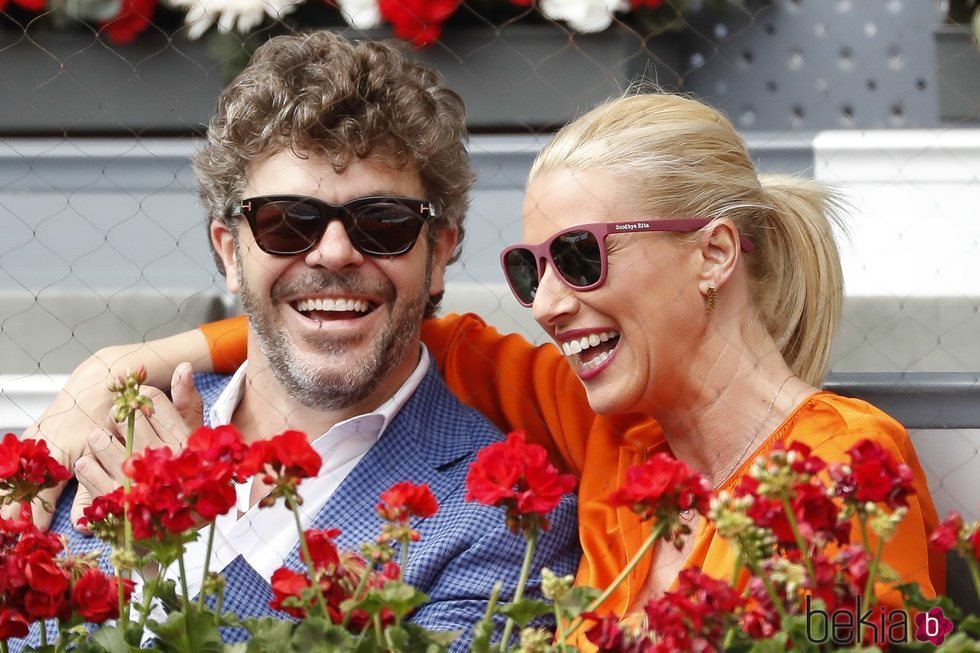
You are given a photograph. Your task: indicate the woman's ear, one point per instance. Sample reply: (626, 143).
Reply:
(223, 241)
(720, 250)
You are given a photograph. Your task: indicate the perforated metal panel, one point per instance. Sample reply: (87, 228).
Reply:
(820, 64)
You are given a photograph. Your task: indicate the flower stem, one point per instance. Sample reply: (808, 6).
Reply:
(800, 542)
(3, 646)
(656, 534)
(307, 558)
(532, 545)
(44, 634)
(183, 576)
(974, 573)
(127, 524)
(402, 558)
(361, 584)
(869, 588)
(737, 569)
(207, 565)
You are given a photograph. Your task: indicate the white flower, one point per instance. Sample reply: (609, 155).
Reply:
(231, 15)
(361, 14)
(584, 15)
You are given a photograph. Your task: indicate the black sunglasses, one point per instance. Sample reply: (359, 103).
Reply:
(285, 225)
(578, 254)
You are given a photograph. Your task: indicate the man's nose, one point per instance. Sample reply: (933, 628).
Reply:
(335, 250)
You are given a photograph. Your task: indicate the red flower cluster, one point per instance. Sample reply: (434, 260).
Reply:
(404, 500)
(418, 21)
(36, 582)
(132, 20)
(337, 576)
(172, 493)
(26, 468)
(662, 487)
(518, 477)
(873, 475)
(30, 5)
(695, 617)
(954, 534)
(284, 460)
(816, 513)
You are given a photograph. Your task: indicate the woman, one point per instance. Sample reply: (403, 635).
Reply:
(697, 295)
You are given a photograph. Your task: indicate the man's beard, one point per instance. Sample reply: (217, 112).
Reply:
(303, 379)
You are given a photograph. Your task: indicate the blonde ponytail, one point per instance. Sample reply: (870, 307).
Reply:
(798, 286)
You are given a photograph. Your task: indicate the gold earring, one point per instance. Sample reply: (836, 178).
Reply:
(711, 300)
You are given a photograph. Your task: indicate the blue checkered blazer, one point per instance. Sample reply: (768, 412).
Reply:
(465, 548)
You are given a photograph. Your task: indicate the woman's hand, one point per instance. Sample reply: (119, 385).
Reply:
(84, 404)
(99, 468)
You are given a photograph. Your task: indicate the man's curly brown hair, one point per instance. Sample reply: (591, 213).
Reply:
(320, 94)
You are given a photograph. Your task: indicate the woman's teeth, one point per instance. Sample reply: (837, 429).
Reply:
(573, 347)
(356, 305)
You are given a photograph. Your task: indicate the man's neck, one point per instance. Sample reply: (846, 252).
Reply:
(266, 408)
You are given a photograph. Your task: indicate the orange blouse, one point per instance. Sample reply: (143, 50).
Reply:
(521, 386)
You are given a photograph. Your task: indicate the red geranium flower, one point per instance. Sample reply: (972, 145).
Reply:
(95, 595)
(873, 475)
(418, 21)
(132, 20)
(518, 477)
(406, 499)
(606, 634)
(947, 534)
(26, 468)
(13, 624)
(287, 584)
(286, 455)
(323, 549)
(662, 487)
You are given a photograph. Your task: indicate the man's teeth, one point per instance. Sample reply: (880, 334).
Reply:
(357, 305)
(573, 347)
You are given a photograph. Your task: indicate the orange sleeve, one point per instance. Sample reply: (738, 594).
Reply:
(516, 384)
(227, 341)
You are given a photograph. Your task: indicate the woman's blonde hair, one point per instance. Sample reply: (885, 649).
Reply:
(682, 158)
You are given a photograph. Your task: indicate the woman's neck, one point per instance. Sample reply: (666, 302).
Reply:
(734, 398)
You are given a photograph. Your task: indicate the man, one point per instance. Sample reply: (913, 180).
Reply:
(335, 179)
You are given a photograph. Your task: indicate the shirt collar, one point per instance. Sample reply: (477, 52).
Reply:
(374, 422)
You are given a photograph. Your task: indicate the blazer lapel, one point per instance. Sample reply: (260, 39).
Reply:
(425, 437)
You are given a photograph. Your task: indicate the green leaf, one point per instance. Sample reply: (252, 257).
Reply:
(482, 632)
(777, 644)
(111, 639)
(191, 630)
(396, 638)
(401, 598)
(914, 598)
(269, 635)
(958, 643)
(315, 635)
(525, 610)
(971, 625)
(577, 600)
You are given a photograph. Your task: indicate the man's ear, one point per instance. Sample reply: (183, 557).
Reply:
(442, 250)
(720, 249)
(223, 241)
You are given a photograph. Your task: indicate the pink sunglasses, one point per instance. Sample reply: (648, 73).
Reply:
(578, 254)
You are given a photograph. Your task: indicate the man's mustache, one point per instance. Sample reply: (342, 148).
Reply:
(327, 282)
